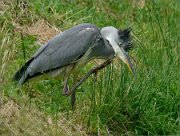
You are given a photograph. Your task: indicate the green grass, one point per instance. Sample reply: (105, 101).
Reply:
(115, 103)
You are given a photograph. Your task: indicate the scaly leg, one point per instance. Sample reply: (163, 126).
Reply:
(66, 87)
(66, 78)
(73, 99)
(73, 94)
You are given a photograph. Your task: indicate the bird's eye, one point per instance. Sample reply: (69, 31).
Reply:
(120, 44)
(108, 43)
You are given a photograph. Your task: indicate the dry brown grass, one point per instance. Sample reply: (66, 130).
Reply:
(17, 120)
(4, 4)
(138, 3)
(41, 28)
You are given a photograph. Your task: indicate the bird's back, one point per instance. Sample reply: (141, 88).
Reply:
(60, 51)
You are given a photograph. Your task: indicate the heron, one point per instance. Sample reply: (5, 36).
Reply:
(68, 52)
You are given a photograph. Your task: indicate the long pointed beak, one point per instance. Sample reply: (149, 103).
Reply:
(126, 59)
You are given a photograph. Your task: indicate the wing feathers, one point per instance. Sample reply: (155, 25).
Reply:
(62, 50)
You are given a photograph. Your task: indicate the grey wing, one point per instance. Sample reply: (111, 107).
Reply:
(103, 50)
(63, 49)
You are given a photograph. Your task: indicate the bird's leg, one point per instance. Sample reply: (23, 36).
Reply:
(95, 75)
(93, 70)
(66, 78)
(73, 99)
(66, 90)
(66, 87)
(73, 94)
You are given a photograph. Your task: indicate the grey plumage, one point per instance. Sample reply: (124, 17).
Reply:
(80, 43)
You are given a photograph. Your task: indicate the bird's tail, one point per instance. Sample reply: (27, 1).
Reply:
(21, 75)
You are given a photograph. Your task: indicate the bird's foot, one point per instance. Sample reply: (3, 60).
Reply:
(65, 90)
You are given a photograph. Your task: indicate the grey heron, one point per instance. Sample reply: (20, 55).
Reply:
(68, 52)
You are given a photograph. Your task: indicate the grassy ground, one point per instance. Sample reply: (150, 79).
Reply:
(115, 103)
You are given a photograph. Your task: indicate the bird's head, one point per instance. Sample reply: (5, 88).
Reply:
(121, 42)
